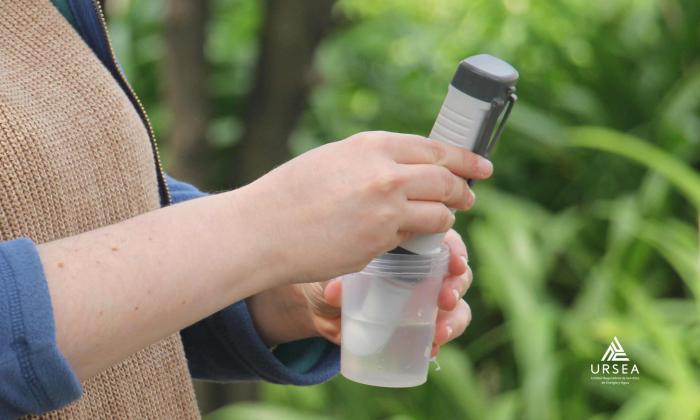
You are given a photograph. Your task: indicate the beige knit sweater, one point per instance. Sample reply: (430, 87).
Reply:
(74, 156)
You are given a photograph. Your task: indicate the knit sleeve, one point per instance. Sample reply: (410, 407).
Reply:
(35, 375)
(226, 346)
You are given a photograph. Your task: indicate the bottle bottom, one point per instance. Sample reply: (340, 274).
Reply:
(400, 361)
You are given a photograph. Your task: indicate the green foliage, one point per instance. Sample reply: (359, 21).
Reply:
(260, 412)
(675, 170)
(588, 229)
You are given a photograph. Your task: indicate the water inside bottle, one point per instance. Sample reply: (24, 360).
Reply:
(401, 362)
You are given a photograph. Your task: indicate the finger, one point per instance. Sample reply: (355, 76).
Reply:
(459, 258)
(436, 183)
(328, 328)
(332, 293)
(435, 350)
(412, 149)
(453, 289)
(426, 217)
(451, 324)
(316, 300)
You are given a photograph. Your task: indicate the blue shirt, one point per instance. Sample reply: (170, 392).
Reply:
(35, 377)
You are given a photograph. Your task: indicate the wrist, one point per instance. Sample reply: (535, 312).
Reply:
(281, 315)
(249, 230)
(277, 237)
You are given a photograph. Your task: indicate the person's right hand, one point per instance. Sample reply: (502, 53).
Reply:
(333, 209)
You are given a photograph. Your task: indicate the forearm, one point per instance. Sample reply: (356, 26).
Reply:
(122, 287)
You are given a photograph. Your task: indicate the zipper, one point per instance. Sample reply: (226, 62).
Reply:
(166, 198)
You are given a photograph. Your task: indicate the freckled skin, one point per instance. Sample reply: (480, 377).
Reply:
(115, 249)
(60, 265)
(136, 308)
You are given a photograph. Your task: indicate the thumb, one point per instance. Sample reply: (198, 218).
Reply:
(332, 292)
(318, 302)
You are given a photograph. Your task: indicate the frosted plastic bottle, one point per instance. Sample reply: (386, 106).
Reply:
(388, 319)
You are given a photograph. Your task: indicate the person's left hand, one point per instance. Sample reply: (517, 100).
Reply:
(323, 300)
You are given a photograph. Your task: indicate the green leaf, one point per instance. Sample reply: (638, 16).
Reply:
(260, 411)
(631, 147)
(456, 381)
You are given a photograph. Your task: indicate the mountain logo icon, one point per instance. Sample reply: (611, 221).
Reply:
(615, 352)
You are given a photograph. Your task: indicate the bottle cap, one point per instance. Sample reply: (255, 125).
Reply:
(485, 77)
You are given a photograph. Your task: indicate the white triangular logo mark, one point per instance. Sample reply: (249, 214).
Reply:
(615, 352)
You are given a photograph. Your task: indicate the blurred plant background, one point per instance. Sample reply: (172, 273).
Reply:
(588, 229)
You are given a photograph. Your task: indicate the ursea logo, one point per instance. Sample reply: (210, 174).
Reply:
(615, 352)
(615, 367)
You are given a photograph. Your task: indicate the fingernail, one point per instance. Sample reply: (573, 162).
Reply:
(455, 292)
(465, 260)
(449, 332)
(472, 199)
(485, 167)
(434, 360)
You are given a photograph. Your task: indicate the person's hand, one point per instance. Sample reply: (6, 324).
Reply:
(333, 209)
(323, 300)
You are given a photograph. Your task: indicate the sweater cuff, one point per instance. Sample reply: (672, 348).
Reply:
(226, 347)
(36, 377)
(302, 355)
(301, 368)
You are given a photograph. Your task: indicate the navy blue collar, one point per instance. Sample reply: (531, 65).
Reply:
(89, 26)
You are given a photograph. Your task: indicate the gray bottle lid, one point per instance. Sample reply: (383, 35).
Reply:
(485, 77)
